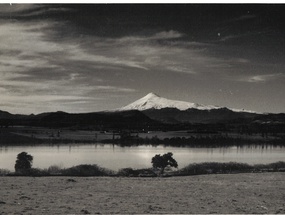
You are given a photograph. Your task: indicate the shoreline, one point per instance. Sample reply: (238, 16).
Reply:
(94, 170)
(183, 138)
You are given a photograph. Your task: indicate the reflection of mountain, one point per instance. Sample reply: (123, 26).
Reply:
(149, 112)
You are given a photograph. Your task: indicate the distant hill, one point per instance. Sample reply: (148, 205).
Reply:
(6, 115)
(125, 119)
(175, 116)
(132, 119)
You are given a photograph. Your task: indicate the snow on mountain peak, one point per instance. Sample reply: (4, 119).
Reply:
(153, 101)
(151, 95)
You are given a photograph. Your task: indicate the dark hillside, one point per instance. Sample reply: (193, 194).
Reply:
(175, 116)
(97, 120)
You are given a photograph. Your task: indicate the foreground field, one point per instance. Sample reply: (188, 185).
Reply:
(233, 193)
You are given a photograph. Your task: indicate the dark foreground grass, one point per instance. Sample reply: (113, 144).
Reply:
(228, 168)
(86, 170)
(215, 168)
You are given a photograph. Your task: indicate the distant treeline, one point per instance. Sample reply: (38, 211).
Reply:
(205, 140)
(198, 141)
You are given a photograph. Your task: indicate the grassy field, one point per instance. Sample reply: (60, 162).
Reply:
(222, 194)
(39, 134)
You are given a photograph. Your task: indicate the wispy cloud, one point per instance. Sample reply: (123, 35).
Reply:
(15, 9)
(47, 60)
(180, 69)
(29, 10)
(36, 63)
(163, 35)
(245, 17)
(227, 37)
(80, 55)
(262, 78)
(114, 89)
(171, 53)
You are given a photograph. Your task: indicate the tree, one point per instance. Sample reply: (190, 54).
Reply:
(23, 163)
(161, 162)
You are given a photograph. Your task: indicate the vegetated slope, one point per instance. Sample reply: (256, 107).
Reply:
(174, 116)
(5, 115)
(98, 120)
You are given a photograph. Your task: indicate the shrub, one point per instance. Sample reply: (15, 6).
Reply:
(38, 172)
(277, 166)
(4, 172)
(54, 170)
(146, 173)
(87, 170)
(215, 167)
(129, 172)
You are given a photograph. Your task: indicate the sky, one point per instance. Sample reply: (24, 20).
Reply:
(92, 57)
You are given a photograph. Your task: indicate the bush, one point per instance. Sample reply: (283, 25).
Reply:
(87, 170)
(277, 166)
(4, 172)
(231, 167)
(215, 167)
(38, 172)
(129, 172)
(54, 170)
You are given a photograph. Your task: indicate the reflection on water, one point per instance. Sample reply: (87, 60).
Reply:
(116, 157)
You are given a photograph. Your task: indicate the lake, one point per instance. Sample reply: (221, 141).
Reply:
(116, 157)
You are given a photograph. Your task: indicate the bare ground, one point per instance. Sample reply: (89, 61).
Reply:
(236, 193)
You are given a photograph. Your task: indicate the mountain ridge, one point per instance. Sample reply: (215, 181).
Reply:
(149, 111)
(154, 101)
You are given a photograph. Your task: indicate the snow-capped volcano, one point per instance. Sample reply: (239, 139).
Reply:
(153, 101)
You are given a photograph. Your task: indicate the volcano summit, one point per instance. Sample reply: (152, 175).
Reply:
(156, 102)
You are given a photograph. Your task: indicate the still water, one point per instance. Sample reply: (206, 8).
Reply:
(116, 157)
